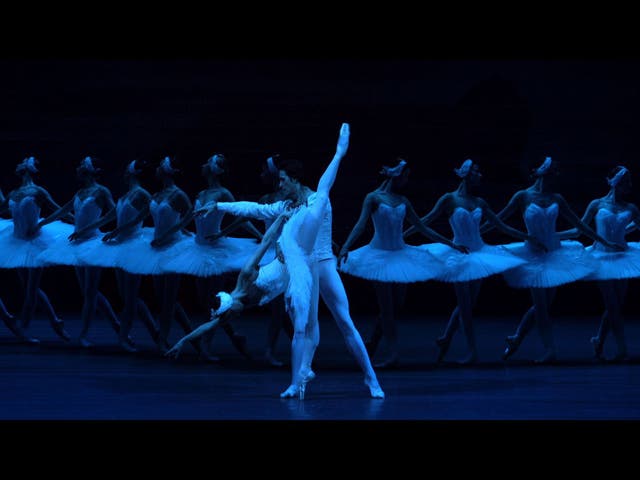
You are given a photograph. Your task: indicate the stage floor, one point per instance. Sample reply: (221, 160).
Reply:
(54, 380)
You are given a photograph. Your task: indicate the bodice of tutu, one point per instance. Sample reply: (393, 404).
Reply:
(611, 226)
(164, 217)
(207, 224)
(125, 212)
(541, 224)
(466, 227)
(26, 215)
(86, 212)
(388, 222)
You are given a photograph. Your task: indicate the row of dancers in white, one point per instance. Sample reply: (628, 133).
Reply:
(295, 255)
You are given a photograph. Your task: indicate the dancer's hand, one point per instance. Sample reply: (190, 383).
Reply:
(206, 209)
(110, 235)
(461, 248)
(343, 140)
(214, 236)
(616, 247)
(74, 236)
(175, 350)
(342, 257)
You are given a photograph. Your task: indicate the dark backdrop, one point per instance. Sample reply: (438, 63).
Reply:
(504, 114)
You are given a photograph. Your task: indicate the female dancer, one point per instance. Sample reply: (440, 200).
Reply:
(168, 208)
(24, 241)
(387, 260)
(116, 246)
(209, 254)
(613, 268)
(87, 205)
(562, 262)
(279, 318)
(465, 211)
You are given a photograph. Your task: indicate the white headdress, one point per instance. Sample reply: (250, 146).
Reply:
(617, 177)
(395, 171)
(226, 302)
(544, 168)
(464, 169)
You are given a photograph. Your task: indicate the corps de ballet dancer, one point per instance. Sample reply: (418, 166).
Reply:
(22, 242)
(465, 211)
(386, 260)
(114, 248)
(149, 256)
(561, 261)
(320, 261)
(209, 255)
(87, 206)
(613, 269)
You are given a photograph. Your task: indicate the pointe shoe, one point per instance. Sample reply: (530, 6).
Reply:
(390, 362)
(443, 344)
(305, 378)
(513, 343)
(207, 357)
(470, 359)
(290, 392)
(375, 390)
(620, 357)
(29, 340)
(4, 313)
(127, 346)
(58, 327)
(85, 343)
(273, 361)
(548, 357)
(598, 346)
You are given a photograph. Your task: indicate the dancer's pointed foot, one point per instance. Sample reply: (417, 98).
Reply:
(271, 360)
(390, 362)
(127, 346)
(513, 343)
(4, 313)
(443, 344)
(28, 339)
(548, 357)
(374, 388)
(470, 359)
(208, 357)
(58, 327)
(598, 346)
(620, 357)
(85, 343)
(240, 343)
(292, 391)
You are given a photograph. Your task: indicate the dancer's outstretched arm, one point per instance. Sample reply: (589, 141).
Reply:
(432, 235)
(438, 209)
(60, 212)
(506, 212)
(365, 213)
(572, 218)
(494, 219)
(587, 218)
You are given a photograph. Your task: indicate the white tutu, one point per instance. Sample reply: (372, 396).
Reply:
(273, 279)
(615, 265)
(405, 265)
(226, 254)
(481, 263)
(565, 264)
(26, 253)
(141, 258)
(112, 254)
